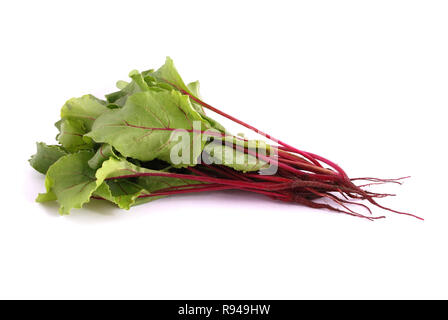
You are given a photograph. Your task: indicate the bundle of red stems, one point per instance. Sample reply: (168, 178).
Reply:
(301, 178)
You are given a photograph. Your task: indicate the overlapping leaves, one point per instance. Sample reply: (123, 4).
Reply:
(137, 129)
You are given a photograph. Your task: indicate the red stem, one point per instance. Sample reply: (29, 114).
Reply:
(170, 191)
(243, 184)
(310, 156)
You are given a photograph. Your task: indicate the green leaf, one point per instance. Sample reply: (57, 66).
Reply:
(168, 73)
(104, 152)
(114, 97)
(230, 157)
(155, 183)
(45, 156)
(194, 89)
(122, 192)
(166, 78)
(45, 197)
(122, 84)
(71, 181)
(137, 84)
(143, 128)
(137, 77)
(214, 124)
(125, 192)
(71, 135)
(84, 109)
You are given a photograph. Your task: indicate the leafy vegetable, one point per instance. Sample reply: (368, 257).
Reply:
(152, 138)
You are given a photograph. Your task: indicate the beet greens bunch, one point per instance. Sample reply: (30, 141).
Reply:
(152, 138)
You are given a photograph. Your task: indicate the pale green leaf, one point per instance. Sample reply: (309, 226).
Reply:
(71, 181)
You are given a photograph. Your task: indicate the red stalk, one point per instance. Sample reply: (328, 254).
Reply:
(169, 191)
(303, 188)
(257, 185)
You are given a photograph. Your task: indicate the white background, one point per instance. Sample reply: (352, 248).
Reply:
(363, 83)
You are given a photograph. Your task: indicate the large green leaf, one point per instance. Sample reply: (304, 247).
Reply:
(165, 78)
(143, 128)
(45, 156)
(71, 181)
